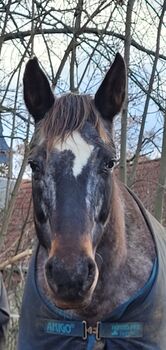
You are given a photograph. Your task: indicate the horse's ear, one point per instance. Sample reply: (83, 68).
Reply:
(37, 92)
(111, 93)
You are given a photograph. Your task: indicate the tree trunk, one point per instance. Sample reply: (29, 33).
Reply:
(123, 149)
(140, 139)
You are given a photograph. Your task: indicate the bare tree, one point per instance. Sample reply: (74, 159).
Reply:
(75, 42)
(127, 44)
(80, 39)
(148, 96)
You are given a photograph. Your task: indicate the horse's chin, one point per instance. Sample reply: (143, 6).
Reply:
(69, 304)
(72, 306)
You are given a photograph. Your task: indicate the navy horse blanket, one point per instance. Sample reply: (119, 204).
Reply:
(138, 324)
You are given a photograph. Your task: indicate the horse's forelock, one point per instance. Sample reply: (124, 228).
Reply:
(69, 113)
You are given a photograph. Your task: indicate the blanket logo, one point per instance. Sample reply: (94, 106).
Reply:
(58, 327)
(127, 330)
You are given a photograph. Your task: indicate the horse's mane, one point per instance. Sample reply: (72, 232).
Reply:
(69, 113)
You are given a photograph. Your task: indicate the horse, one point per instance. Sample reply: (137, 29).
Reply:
(97, 275)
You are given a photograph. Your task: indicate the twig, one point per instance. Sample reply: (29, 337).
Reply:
(15, 258)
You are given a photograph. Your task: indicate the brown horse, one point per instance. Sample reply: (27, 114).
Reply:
(94, 277)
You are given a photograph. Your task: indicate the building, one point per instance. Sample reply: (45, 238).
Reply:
(4, 148)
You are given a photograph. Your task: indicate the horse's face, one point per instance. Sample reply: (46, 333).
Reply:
(72, 180)
(71, 193)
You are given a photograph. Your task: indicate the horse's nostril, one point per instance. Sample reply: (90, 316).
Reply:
(49, 268)
(91, 269)
(89, 278)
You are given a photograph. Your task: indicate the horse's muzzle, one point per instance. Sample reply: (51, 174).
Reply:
(71, 284)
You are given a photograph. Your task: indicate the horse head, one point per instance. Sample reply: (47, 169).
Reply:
(72, 158)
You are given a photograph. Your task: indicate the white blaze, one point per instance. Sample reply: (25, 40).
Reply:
(79, 147)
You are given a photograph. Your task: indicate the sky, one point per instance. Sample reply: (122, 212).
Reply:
(144, 22)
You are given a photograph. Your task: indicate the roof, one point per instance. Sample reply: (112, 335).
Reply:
(145, 185)
(21, 232)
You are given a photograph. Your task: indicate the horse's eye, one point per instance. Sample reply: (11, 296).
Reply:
(34, 166)
(108, 164)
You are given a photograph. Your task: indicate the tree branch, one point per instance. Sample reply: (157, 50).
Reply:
(85, 30)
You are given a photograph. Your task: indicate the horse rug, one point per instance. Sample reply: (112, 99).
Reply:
(139, 323)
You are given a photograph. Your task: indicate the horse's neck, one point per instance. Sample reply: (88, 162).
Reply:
(129, 231)
(127, 252)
